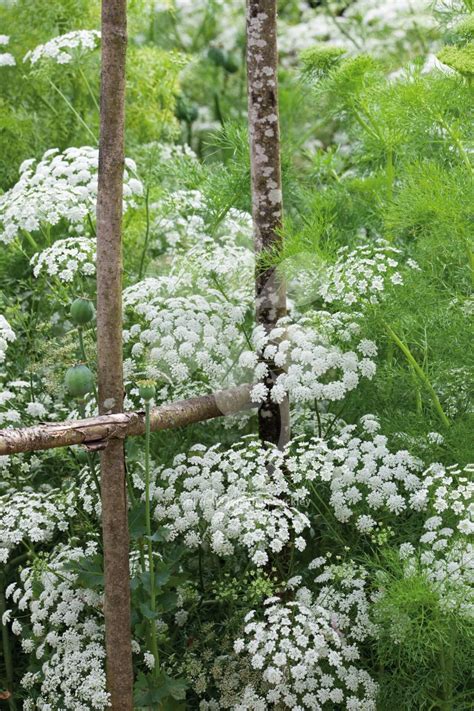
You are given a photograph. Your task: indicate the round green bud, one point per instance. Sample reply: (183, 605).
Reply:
(231, 64)
(82, 311)
(146, 389)
(185, 110)
(217, 56)
(79, 380)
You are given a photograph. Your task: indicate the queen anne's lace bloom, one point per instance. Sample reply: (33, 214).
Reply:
(183, 220)
(31, 516)
(366, 481)
(228, 500)
(66, 258)
(379, 27)
(343, 590)
(444, 552)
(363, 274)
(65, 48)
(67, 635)
(7, 335)
(305, 663)
(184, 341)
(314, 368)
(7, 59)
(62, 186)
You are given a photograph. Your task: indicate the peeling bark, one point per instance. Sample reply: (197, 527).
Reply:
(109, 353)
(267, 208)
(97, 432)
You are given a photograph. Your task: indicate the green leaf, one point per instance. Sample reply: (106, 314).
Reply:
(89, 571)
(136, 521)
(148, 612)
(164, 691)
(167, 601)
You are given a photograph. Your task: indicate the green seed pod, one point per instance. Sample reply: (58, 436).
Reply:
(79, 380)
(217, 56)
(231, 64)
(192, 113)
(82, 311)
(146, 389)
(185, 111)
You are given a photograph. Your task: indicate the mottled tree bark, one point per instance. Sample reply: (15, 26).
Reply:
(109, 353)
(267, 209)
(96, 432)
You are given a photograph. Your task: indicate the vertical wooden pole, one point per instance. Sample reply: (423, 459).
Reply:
(109, 349)
(267, 208)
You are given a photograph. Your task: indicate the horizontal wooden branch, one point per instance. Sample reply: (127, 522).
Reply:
(95, 432)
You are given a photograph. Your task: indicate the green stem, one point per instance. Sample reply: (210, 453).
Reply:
(86, 81)
(147, 233)
(84, 357)
(457, 142)
(390, 174)
(151, 564)
(470, 258)
(30, 240)
(217, 108)
(318, 418)
(90, 460)
(71, 107)
(7, 652)
(420, 373)
(189, 133)
(365, 125)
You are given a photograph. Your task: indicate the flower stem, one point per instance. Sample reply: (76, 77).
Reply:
(419, 372)
(151, 565)
(147, 233)
(84, 357)
(76, 114)
(86, 81)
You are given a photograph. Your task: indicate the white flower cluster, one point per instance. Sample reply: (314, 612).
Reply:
(343, 591)
(31, 516)
(66, 259)
(363, 274)
(16, 404)
(67, 635)
(378, 28)
(366, 481)
(445, 551)
(62, 186)
(183, 220)
(228, 500)
(190, 16)
(65, 48)
(7, 335)
(6, 59)
(184, 341)
(314, 368)
(304, 661)
(228, 269)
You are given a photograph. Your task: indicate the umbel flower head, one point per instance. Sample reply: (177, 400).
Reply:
(62, 186)
(7, 335)
(66, 258)
(312, 366)
(64, 48)
(229, 500)
(304, 661)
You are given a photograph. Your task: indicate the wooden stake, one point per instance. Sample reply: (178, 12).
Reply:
(267, 208)
(97, 432)
(109, 353)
